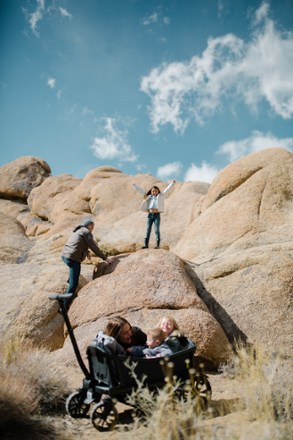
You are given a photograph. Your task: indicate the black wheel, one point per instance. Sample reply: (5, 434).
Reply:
(203, 387)
(202, 392)
(104, 415)
(75, 405)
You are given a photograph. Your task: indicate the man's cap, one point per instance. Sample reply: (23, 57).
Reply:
(87, 221)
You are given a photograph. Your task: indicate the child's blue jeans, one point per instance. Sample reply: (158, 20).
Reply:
(153, 218)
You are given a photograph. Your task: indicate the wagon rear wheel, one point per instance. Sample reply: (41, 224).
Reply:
(203, 386)
(202, 392)
(104, 415)
(75, 405)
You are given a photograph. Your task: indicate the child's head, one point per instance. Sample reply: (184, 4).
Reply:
(154, 191)
(168, 325)
(155, 337)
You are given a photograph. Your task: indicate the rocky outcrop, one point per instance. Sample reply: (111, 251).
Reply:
(248, 204)
(158, 286)
(14, 243)
(242, 248)
(19, 177)
(225, 270)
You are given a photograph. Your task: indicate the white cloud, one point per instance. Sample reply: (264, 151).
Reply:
(41, 12)
(221, 7)
(203, 173)
(257, 141)
(64, 12)
(230, 69)
(262, 12)
(169, 170)
(151, 19)
(51, 83)
(86, 111)
(156, 18)
(37, 16)
(112, 144)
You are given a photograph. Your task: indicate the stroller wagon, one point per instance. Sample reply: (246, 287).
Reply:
(109, 379)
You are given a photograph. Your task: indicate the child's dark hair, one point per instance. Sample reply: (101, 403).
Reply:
(150, 190)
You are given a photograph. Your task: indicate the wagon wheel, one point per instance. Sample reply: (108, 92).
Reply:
(202, 391)
(75, 405)
(104, 415)
(203, 386)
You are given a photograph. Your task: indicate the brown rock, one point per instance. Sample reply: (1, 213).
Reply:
(251, 295)
(248, 204)
(26, 311)
(242, 247)
(19, 177)
(14, 243)
(55, 196)
(158, 286)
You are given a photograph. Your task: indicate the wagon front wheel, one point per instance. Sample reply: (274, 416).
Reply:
(104, 415)
(75, 405)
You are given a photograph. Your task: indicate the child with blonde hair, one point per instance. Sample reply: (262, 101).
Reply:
(175, 339)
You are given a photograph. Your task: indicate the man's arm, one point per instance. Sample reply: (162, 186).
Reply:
(93, 246)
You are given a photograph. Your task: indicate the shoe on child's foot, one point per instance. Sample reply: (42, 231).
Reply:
(158, 244)
(145, 247)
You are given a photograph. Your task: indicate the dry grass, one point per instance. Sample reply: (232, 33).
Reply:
(265, 383)
(30, 385)
(265, 412)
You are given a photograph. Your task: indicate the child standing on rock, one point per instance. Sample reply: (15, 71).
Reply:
(153, 203)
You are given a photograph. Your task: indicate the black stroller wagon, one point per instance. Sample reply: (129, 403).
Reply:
(109, 379)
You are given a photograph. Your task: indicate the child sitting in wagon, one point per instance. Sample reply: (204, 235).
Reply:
(155, 345)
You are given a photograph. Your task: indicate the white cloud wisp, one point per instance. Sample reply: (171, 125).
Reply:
(34, 18)
(169, 170)
(256, 142)
(229, 70)
(112, 144)
(51, 83)
(37, 16)
(204, 173)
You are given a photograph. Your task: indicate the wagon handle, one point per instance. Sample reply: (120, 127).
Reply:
(62, 305)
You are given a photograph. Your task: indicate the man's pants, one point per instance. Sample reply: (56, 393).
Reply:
(74, 272)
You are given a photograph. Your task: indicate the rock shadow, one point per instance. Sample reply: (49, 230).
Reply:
(103, 268)
(231, 329)
(222, 407)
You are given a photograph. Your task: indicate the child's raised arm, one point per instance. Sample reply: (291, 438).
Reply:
(171, 184)
(138, 189)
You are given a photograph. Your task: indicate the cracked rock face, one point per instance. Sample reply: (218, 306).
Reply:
(224, 270)
(242, 248)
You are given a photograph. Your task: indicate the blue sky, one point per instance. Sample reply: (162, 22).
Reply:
(175, 88)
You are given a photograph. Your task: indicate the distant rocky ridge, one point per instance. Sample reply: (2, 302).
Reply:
(225, 269)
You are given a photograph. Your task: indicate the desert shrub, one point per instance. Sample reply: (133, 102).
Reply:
(266, 391)
(165, 411)
(36, 368)
(30, 385)
(265, 383)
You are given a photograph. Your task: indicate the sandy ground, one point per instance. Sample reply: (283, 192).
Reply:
(225, 409)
